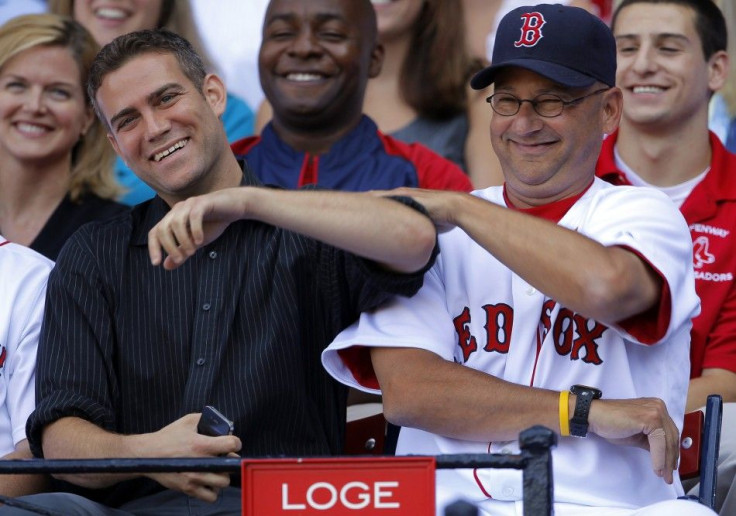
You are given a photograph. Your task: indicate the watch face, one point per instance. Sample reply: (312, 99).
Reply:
(584, 389)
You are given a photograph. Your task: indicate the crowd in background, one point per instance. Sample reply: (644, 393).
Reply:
(410, 118)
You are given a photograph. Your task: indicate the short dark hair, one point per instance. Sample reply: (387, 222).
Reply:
(709, 22)
(124, 48)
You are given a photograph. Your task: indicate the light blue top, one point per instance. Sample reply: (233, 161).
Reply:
(239, 122)
(12, 8)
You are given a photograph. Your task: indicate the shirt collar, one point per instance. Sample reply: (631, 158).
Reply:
(553, 211)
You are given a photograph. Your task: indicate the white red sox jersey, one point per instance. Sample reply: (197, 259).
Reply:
(23, 276)
(473, 310)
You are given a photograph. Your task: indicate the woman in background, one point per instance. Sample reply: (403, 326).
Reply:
(422, 93)
(55, 161)
(111, 20)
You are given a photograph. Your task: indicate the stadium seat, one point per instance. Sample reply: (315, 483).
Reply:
(365, 433)
(699, 444)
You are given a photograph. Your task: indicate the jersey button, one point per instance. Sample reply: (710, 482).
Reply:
(206, 307)
(213, 254)
(201, 361)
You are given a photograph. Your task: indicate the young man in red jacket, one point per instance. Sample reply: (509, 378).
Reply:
(671, 59)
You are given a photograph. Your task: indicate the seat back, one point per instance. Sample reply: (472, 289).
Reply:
(699, 445)
(692, 434)
(366, 435)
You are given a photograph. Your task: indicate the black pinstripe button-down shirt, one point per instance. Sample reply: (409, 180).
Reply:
(241, 325)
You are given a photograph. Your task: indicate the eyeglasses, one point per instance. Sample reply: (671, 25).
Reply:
(547, 105)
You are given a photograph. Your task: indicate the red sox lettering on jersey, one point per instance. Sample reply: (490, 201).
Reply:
(573, 335)
(531, 30)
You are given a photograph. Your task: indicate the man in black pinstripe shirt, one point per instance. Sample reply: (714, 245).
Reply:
(255, 283)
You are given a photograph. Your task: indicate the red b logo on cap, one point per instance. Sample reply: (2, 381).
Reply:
(531, 31)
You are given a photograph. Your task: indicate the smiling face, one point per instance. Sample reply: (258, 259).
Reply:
(547, 159)
(315, 59)
(664, 76)
(166, 130)
(42, 105)
(108, 19)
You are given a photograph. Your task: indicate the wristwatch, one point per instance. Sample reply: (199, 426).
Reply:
(584, 397)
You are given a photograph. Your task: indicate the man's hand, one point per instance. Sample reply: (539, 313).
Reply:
(641, 422)
(180, 439)
(192, 224)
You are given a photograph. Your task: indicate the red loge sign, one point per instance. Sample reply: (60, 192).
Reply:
(337, 486)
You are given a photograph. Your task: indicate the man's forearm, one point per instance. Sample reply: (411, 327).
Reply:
(76, 438)
(380, 229)
(422, 390)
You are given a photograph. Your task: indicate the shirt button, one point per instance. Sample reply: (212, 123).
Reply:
(206, 307)
(508, 491)
(213, 254)
(200, 361)
(531, 291)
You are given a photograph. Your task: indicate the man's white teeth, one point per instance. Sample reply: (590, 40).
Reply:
(178, 145)
(303, 77)
(111, 13)
(381, 2)
(30, 128)
(647, 89)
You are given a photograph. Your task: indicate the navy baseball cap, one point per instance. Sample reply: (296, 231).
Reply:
(567, 45)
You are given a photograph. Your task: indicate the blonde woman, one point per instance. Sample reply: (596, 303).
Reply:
(55, 162)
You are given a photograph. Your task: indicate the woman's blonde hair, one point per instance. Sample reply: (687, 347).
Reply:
(176, 16)
(92, 155)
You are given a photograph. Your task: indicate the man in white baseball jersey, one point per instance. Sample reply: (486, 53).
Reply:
(557, 299)
(23, 275)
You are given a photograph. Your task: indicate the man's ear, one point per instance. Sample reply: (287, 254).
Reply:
(213, 89)
(376, 60)
(114, 143)
(718, 70)
(613, 104)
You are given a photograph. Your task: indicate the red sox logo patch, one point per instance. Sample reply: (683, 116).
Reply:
(701, 254)
(531, 30)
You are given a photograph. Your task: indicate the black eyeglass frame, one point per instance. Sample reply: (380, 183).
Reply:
(534, 102)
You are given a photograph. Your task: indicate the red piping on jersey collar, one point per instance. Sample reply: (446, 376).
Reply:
(3, 243)
(553, 211)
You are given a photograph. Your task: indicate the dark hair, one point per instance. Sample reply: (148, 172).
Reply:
(160, 41)
(435, 74)
(709, 22)
(167, 9)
